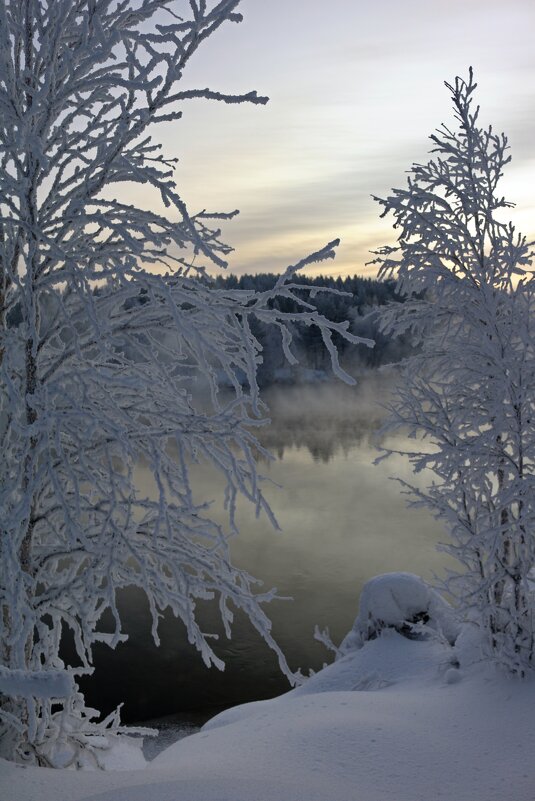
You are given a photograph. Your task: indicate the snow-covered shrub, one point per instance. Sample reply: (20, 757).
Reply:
(405, 603)
(108, 325)
(62, 730)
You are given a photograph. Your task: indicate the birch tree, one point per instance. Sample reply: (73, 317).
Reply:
(108, 324)
(470, 390)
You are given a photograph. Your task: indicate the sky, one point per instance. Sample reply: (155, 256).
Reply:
(355, 87)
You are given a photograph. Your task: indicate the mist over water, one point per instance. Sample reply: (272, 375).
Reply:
(343, 520)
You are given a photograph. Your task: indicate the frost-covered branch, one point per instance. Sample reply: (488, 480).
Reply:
(114, 348)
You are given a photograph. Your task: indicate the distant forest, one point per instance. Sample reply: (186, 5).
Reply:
(360, 305)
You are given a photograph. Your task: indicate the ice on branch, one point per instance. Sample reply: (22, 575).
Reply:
(35, 684)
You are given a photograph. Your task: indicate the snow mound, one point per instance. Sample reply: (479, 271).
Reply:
(390, 721)
(374, 655)
(404, 602)
(469, 741)
(388, 660)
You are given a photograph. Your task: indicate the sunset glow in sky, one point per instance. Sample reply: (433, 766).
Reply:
(355, 87)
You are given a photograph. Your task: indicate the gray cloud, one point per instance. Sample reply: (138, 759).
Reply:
(356, 89)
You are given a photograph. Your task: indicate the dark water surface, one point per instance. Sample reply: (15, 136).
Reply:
(342, 522)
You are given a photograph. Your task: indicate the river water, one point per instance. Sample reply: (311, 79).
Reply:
(343, 521)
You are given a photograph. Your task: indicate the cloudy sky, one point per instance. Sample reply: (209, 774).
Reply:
(355, 87)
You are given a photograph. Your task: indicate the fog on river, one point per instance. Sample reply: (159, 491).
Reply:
(343, 520)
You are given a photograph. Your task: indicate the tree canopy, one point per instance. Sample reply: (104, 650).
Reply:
(113, 348)
(469, 390)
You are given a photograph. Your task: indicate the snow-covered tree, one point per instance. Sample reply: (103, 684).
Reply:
(470, 390)
(114, 346)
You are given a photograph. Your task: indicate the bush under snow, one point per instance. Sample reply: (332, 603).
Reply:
(404, 602)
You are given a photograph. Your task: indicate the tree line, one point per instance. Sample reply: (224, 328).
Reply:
(354, 298)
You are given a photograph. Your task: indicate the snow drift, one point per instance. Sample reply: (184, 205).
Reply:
(384, 722)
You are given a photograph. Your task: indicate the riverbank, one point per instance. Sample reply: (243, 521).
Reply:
(396, 719)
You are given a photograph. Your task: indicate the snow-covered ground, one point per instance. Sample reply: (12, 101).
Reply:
(393, 719)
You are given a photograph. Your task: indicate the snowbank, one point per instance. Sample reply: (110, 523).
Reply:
(393, 719)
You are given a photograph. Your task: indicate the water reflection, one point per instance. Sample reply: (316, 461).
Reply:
(327, 420)
(342, 519)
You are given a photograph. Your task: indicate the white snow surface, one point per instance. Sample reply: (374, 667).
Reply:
(394, 720)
